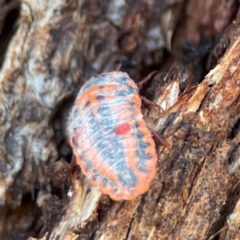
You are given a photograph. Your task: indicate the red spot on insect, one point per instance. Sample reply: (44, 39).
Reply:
(122, 129)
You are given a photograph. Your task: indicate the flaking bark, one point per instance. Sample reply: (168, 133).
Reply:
(196, 190)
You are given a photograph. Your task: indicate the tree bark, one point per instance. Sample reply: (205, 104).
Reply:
(59, 45)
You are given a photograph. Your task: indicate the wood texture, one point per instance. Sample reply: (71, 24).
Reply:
(59, 44)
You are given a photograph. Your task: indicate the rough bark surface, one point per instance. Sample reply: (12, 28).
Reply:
(61, 43)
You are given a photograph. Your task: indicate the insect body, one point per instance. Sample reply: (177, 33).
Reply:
(109, 137)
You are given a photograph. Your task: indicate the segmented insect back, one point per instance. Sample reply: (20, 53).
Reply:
(109, 137)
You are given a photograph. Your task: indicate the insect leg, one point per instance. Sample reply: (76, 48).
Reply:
(162, 141)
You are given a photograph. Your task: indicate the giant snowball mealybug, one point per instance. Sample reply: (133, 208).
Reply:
(109, 137)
